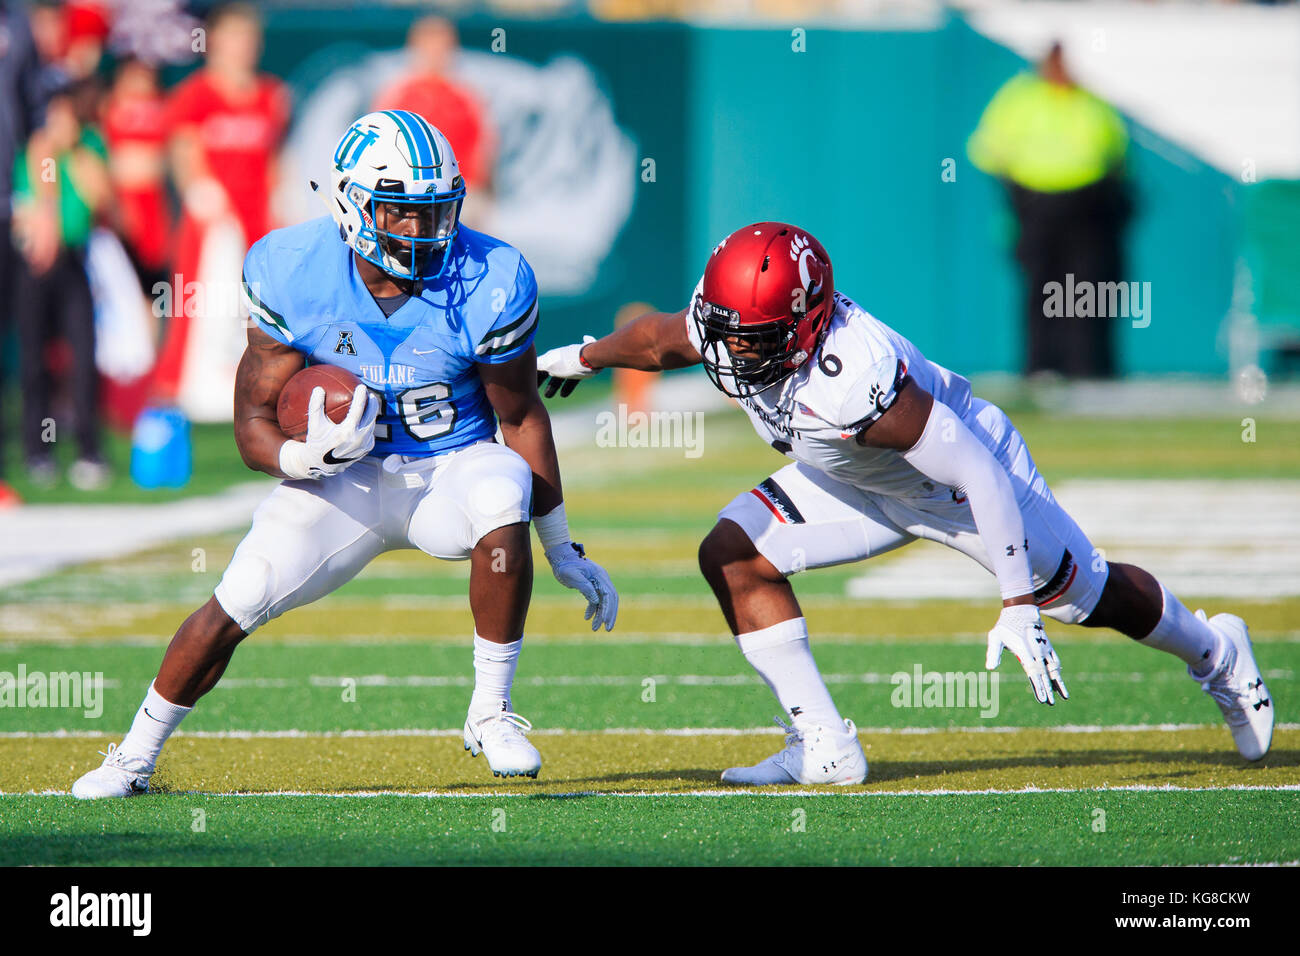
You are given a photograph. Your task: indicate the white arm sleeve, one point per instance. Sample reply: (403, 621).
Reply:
(949, 452)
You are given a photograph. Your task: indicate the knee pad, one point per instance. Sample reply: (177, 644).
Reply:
(499, 497)
(497, 501)
(245, 590)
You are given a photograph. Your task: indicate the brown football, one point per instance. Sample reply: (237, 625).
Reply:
(291, 409)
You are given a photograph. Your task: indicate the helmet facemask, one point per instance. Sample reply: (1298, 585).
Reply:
(406, 233)
(743, 360)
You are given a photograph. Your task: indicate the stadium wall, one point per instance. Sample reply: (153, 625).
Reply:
(848, 138)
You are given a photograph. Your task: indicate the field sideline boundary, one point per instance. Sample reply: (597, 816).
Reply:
(623, 731)
(827, 791)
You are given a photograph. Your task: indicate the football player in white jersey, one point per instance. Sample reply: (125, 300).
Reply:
(887, 447)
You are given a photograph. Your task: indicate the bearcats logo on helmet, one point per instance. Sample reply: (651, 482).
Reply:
(802, 252)
(774, 283)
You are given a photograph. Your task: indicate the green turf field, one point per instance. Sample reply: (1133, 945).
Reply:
(335, 736)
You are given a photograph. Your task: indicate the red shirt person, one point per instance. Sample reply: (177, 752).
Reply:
(135, 126)
(432, 44)
(227, 123)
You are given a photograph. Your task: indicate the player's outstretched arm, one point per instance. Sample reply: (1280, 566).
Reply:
(526, 427)
(652, 343)
(263, 371)
(934, 439)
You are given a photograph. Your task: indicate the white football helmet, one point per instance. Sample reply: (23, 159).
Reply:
(396, 193)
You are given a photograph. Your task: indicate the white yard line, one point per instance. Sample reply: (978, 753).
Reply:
(637, 680)
(829, 791)
(621, 731)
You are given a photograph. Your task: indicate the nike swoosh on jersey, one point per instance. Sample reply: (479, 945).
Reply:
(425, 351)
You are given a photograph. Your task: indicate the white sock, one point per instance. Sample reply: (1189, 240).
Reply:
(1183, 634)
(494, 672)
(782, 657)
(153, 724)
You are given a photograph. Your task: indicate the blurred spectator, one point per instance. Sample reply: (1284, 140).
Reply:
(427, 89)
(66, 164)
(227, 121)
(70, 35)
(87, 31)
(22, 111)
(135, 125)
(1060, 152)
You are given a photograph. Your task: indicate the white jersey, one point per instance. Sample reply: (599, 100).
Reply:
(815, 415)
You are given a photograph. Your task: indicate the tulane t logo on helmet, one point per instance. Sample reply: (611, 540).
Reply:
(396, 193)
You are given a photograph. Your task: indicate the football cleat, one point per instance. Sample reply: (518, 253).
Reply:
(120, 775)
(500, 738)
(813, 754)
(1238, 688)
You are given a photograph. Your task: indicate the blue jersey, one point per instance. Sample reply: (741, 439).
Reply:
(302, 287)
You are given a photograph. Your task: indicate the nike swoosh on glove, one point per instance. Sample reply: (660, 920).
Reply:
(330, 448)
(1020, 630)
(575, 570)
(564, 367)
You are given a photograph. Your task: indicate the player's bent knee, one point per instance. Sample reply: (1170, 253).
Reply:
(246, 590)
(728, 555)
(486, 488)
(497, 501)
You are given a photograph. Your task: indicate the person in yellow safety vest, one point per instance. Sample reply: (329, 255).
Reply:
(1059, 150)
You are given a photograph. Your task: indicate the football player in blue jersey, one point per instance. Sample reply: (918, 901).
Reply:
(437, 321)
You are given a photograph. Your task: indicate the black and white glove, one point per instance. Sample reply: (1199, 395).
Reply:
(330, 448)
(564, 367)
(1020, 629)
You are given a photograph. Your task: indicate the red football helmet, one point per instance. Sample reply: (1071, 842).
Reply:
(768, 297)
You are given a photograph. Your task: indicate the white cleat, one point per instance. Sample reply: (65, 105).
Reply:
(1238, 688)
(812, 755)
(120, 775)
(500, 738)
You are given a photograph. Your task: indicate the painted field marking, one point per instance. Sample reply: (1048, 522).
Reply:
(622, 731)
(828, 791)
(636, 680)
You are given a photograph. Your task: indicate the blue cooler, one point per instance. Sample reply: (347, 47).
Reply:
(160, 449)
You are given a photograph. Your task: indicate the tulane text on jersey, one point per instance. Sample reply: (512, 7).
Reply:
(302, 287)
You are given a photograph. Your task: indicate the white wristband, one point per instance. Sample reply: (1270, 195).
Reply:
(292, 464)
(552, 528)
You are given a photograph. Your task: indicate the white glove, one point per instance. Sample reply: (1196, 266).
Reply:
(575, 570)
(1020, 629)
(330, 448)
(564, 367)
